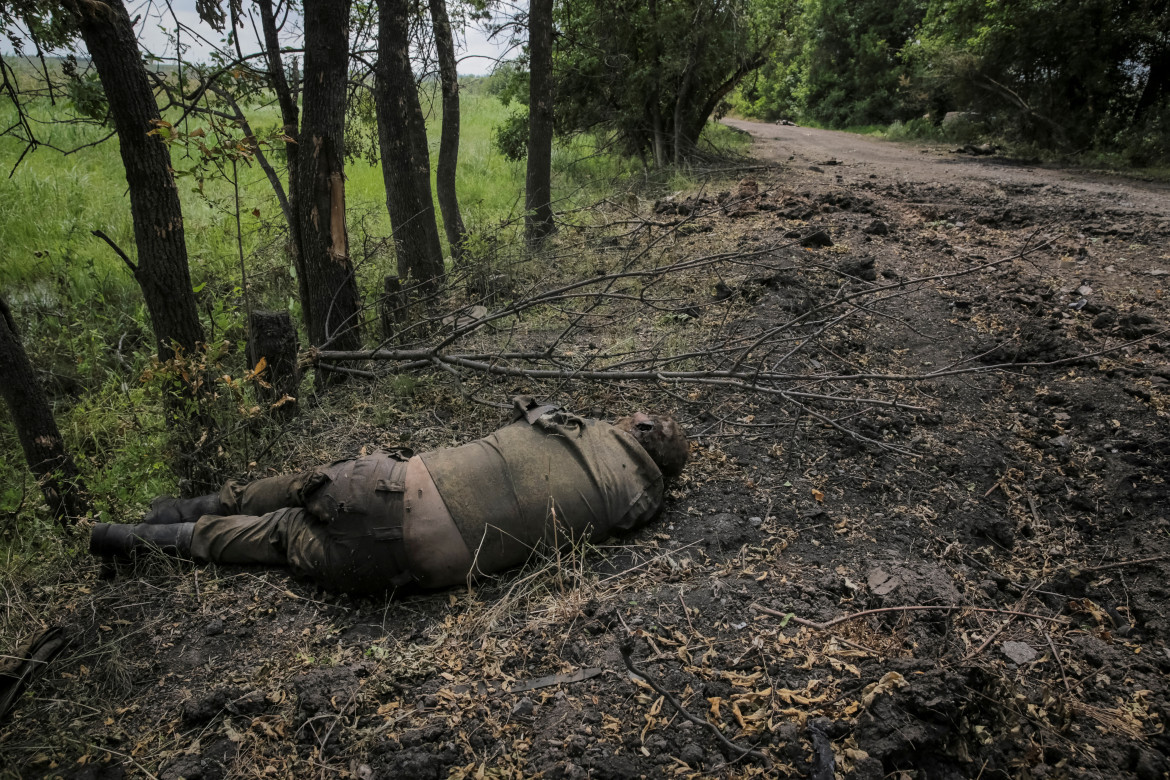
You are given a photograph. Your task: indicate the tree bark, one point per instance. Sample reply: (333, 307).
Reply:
(290, 116)
(538, 217)
(449, 139)
(162, 270)
(698, 120)
(333, 313)
(654, 107)
(273, 339)
(44, 449)
(1156, 87)
(402, 140)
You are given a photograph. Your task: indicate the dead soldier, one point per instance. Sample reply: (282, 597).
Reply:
(377, 523)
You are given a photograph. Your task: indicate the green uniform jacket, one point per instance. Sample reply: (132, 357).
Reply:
(542, 484)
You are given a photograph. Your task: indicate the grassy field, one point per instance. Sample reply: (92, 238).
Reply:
(54, 201)
(82, 316)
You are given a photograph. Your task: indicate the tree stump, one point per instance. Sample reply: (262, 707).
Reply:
(273, 339)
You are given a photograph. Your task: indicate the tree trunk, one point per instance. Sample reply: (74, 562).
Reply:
(332, 313)
(273, 339)
(659, 137)
(402, 140)
(654, 107)
(162, 270)
(290, 116)
(449, 140)
(44, 449)
(392, 309)
(538, 217)
(682, 145)
(698, 120)
(1156, 87)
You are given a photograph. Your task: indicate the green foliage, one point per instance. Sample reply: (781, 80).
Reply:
(772, 91)
(851, 73)
(652, 73)
(509, 82)
(87, 97)
(1063, 74)
(511, 136)
(1067, 75)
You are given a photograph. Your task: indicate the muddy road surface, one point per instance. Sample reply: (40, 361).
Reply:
(936, 164)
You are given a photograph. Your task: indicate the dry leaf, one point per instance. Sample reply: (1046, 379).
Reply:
(890, 681)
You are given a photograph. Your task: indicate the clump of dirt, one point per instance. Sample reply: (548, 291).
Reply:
(991, 604)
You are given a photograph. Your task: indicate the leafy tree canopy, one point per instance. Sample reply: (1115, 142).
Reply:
(652, 72)
(1071, 75)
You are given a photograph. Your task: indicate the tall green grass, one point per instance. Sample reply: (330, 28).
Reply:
(54, 201)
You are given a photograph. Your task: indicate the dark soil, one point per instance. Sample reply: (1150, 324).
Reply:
(1036, 494)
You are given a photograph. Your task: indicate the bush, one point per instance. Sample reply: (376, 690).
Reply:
(510, 138)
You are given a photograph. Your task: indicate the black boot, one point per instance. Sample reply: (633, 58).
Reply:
(166, 510)
(121, 542)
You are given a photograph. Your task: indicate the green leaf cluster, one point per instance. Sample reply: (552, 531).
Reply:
(652, 72)
(1069, 75)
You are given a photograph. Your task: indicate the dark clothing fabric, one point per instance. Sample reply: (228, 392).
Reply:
(340, 524)
(546, 483)
(490, 505)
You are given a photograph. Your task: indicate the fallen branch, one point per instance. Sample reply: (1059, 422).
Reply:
(670, 698)
(347, 370)
(740, 381)
(916, 608)
(1074, 571)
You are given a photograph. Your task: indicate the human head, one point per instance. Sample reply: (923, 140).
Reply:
(661, 437)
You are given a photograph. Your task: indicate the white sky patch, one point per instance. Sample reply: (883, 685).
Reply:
(155, 24)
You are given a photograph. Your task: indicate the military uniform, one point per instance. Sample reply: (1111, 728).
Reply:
(377, 523)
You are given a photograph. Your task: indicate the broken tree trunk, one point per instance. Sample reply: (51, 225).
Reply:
(273, 339)
(333, 311)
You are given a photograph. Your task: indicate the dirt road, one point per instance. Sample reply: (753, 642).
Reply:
(857, 157)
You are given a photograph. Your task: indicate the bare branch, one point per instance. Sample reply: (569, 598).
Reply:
(117, 249)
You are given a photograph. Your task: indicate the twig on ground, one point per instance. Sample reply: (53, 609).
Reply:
(1056, 657)
(346, 370)
(987, 642)
(647, 562)
(857, 645)
(625, 650)
(991, 638)
(915, 608)
(1119, 564)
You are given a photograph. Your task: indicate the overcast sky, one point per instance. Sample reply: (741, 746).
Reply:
(156, 26)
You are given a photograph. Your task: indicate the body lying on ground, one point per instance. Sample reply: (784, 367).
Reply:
(382, 523)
